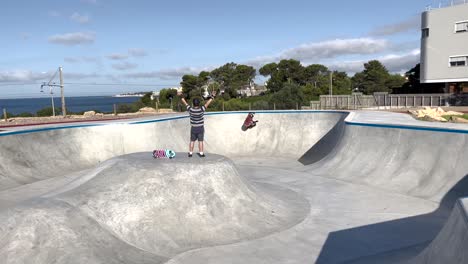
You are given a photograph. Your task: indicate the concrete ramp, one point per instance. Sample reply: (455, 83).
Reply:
(450, 244)
(301, 187)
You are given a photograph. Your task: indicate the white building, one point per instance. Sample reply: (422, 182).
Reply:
(444, 46)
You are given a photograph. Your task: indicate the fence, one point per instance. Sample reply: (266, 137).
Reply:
(385, 100)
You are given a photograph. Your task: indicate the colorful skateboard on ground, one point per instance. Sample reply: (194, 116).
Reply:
(163, 153)
(249, 122)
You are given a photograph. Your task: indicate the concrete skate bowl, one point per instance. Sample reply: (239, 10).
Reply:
(301, 187)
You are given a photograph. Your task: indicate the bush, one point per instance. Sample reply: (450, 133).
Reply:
(124, 108)
(48, 111)
(260, 105)
(25, 114)
(9, 115)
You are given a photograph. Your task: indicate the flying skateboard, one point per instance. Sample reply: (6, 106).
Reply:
(249, 122)
(163, 153)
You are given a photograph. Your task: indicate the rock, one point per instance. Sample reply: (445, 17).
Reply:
(145, 110)
(165, 110)
(457, 119)
(435, 114)
(89, 113)
(453, 113)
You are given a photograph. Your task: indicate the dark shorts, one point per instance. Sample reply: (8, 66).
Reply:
(197, 133)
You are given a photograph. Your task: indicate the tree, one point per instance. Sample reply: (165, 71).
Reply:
(414, 85)
(286, 71)
(190, 85)
(267, 69)
(374, 78)
(231, 77)
(314, 72)
(203, 78)
(146, 99)
(341, 83)
(288, 97)
(395, 81)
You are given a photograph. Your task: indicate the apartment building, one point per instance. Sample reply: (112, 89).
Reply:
(444, 47)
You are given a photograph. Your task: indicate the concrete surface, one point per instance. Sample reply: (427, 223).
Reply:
(301, 187)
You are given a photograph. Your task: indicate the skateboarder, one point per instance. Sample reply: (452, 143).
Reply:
(197, 130)
(249, 122)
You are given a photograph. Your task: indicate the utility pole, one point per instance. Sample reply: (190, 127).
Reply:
(64, 110)
(330, 93)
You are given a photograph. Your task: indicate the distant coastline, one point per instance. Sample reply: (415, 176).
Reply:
(74, 104)
(129, 95)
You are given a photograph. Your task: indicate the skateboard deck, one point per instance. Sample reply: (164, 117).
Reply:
(163, 153)
(249, 122)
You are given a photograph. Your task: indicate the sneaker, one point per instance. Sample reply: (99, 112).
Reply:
(201, 155)
(189, 155)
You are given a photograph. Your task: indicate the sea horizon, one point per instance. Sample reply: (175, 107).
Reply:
(102, 103)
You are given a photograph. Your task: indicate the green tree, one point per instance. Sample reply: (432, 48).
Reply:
(395, 81)
(414, 85)
(286, 71)
(374, 78)
(231, 77)
(146, 99)
(287, 98)
(203, 78)
(341, 83)
(190, 85)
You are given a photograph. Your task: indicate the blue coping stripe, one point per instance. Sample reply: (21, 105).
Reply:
(433, 129)
(408, 127)
(240, 112)
(45, 129)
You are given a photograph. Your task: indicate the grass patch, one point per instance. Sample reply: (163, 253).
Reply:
(449, 117)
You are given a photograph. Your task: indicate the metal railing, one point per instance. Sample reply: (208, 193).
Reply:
(448, 3)
(388, 101)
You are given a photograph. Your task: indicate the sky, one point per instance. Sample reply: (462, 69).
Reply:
(108, 47)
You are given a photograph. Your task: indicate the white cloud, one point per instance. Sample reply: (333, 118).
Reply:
(23, 76)
(71, 39)
(81, 59)
(167, 74)
(79, 76)
(395, 63)
(314, 52)
(117, 56)
(124, 66)
(72, 60)
(135, 52)
(411, 24)
(82, 19)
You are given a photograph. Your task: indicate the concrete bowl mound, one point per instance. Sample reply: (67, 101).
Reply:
(159, 206)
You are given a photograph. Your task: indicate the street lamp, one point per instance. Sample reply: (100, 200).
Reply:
(51, 96)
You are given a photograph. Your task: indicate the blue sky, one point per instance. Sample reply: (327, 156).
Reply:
(147, 45)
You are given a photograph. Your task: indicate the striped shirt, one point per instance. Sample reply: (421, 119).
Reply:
(196, 115)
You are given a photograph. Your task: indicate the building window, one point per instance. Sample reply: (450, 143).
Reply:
(461, 27)
(458, 61)
(425, 32)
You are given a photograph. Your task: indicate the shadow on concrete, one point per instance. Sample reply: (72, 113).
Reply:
(326, 144)
(392, 241)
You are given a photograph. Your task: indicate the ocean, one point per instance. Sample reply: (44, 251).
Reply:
(74, 104)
